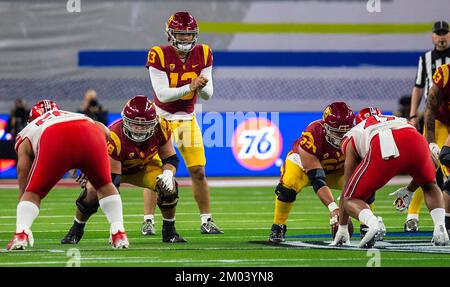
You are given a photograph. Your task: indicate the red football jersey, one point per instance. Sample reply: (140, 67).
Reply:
(179, 73)
(313, 141)
(135, 156)
(441, 79)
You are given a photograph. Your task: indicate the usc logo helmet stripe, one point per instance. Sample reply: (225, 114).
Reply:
(326, 112)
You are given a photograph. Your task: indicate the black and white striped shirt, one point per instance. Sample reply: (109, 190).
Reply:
(428, 63)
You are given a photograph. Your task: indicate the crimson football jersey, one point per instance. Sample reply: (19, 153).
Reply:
(135, 156)
(179, 73)
(313, 141)
(441, 79)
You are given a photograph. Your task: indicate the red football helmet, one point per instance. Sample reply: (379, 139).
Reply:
(338, 119)
(365, 113)
(41, 108)
(139, 119)
(182, 23)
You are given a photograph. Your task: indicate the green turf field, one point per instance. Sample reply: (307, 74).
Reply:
(245, 214)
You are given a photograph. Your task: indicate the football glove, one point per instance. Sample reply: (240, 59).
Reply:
(165, 180)
(342, 236)
(435, 151)
(404, 196)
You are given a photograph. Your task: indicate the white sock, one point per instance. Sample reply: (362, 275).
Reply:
(412, 216)
(26, 214)
(204, 217)
(367, 217)
(149, 217)
(169, 219)
(438, 215)
(447, 214)
(112, 208)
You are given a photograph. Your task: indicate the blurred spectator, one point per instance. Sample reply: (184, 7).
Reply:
(404, 107)
(18, 118)
(91, 108)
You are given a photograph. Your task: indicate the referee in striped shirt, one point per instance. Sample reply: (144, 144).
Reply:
(428, 63)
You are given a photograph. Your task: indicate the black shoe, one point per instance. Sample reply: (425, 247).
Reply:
(278, 233)
(74, 235)
(169, 233)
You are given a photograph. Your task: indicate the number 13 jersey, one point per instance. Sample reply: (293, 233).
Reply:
(179, 73)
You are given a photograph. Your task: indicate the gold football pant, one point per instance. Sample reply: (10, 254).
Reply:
(294, 177)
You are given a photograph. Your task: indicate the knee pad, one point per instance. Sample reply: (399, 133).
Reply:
(444, 156)
(285, 194)
(85, 207)
(167, 200)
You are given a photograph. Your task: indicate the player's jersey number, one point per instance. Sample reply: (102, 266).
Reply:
(50, 116)
(184, 77)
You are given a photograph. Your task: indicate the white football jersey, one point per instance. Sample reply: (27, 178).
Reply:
(363, 133)
(34, 130)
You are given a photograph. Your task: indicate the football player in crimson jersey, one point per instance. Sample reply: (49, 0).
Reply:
(436, 131)
(53, 142)
(180, 73)
(140, 153)
(385, 143)
(315, 160)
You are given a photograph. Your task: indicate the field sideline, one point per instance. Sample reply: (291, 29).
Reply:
(245, 214)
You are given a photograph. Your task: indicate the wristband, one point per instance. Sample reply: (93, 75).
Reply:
(332, 206)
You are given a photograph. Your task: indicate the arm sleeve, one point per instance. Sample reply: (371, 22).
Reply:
(207, 92)
(160, 84)
(420, 76)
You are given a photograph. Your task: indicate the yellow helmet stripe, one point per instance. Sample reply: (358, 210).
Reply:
(116, 140)
(205, 53)
(160, 55)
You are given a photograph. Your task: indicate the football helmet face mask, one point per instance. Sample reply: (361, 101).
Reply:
(365, 113)
(182, 23)
(41, 108)
(139, 119)
(338, 119)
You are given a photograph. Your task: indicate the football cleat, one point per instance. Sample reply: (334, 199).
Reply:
(210, 227)
(119, 240)
(20, 241)
(440, 236)
(148, 227)
(170, 235)
(73, 236)
(411, 225)
(278, 233)
(373, 234)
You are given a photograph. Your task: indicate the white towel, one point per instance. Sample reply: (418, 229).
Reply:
(387, 144)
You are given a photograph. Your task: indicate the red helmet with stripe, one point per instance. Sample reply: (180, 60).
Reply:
(182, 23)
(365, 113)
(41, 108)
(338, 119)
(139, 119)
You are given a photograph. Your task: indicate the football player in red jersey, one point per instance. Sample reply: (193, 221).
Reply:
(140, 153)
(315, 160)
(53, 142)
(385, 143)
(180, 73)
